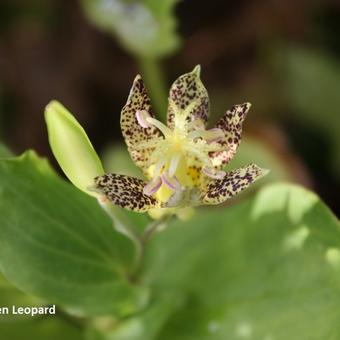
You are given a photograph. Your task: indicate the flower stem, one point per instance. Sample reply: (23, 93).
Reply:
(155, 81)
(153, 227)
(122, 225)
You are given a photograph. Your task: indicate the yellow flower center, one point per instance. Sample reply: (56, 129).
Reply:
(179, 160)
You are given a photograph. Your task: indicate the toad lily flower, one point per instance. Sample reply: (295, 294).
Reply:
(182, 161)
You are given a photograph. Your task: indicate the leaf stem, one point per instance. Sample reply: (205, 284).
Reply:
(154, 77)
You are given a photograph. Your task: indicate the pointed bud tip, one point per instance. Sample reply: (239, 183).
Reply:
(54, 107)
(50, 106)
(53, 104)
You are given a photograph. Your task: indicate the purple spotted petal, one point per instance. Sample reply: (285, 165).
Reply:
(126, 191)
(231, 125)
(218, 191)
(188, 96)
(134, 133)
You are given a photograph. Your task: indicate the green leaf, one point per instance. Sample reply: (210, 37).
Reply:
(57, 243)
(145, 28)
(143, 326)
(268, 268)
(72, 148)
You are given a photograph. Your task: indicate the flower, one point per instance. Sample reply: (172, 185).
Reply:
(183, 161)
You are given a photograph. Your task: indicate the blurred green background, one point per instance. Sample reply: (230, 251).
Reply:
(282, 56)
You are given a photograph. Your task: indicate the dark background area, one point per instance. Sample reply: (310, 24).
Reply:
(249, 51)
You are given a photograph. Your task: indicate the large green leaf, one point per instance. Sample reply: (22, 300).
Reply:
(265, 269)
(56, 243)
(146, 28)
(142, 326)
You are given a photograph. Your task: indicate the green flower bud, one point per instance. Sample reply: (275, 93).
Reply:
(72, 148)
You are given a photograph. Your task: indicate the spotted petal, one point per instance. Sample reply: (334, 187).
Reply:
(133, 132)
(231, 125)
(188, 99)
(126, 191)
(218, 191)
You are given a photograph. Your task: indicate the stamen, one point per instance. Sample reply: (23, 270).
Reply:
(213, 173)
(210, 136)
(174, 164)
(163, 128)
(171, 182)
(152, 186)
(196, 133)
(141, 116)
(196, 124)
(214, 135)
(199, 153)
(158, 167)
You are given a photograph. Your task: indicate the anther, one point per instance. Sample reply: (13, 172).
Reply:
(171, 182)
(141, 116)
(213, 135)
(152, 186)
(196, 124)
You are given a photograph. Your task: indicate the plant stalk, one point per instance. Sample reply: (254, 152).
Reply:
(122, 225)
(150, 230)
